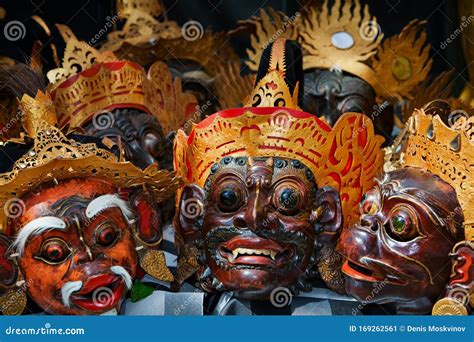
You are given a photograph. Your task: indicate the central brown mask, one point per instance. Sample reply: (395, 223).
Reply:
(257, 227)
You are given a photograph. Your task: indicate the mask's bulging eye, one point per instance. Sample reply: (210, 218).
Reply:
(287, 199)
(106, 235)
(369, 205)
(403, 223)
(229, 200)
(400, 223)
(54, 251)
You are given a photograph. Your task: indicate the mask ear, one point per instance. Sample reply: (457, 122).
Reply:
(190, 212)
(8, 269)
(148, 225)
(328, 223)
(188, 224)
(328, 215)
(12, 294)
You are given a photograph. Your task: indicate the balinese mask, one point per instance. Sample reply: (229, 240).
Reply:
(411, 220)
(330, 93)
(103, 97)
(348, 65)
(194, 54)
(268, 187)
(73, 232)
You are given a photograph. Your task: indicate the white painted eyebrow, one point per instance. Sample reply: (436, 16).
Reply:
(101, 203)
(36, 227)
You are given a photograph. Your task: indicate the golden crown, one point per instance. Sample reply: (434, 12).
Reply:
(145, 39)
(55, 157)
(78, 56)
(447, 152)
(347, 37)
(347, 156)
(272, 90)
(102, 83)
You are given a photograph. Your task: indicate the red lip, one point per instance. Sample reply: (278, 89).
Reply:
(254, 251)
(360, 272)
(100, 293)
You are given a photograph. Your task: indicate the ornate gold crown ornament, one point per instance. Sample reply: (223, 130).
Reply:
(90, 82)
(145, 39)
(347, 37)
(447, 152)
(55, 157)
(272, 90)
(347, 156)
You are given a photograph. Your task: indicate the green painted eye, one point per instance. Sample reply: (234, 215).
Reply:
(398, 223)
(403, 223)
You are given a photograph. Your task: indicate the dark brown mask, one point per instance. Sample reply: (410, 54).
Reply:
(399, 251)
(257, 227)
(139, 133)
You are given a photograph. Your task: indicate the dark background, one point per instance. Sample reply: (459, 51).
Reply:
(86, 17)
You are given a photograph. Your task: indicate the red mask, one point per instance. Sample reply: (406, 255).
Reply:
(80, 258)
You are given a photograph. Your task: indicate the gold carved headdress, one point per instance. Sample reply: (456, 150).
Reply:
(90, 81)
(55, 157)
(347, 37)
(347, 156)
(447, 152)
(272, 89)
(145, 39)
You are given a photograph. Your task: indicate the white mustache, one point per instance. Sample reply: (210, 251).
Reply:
(68, 289)
(122, 272)
(74, 286)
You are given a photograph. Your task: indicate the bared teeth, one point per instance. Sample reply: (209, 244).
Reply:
(248, 251)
